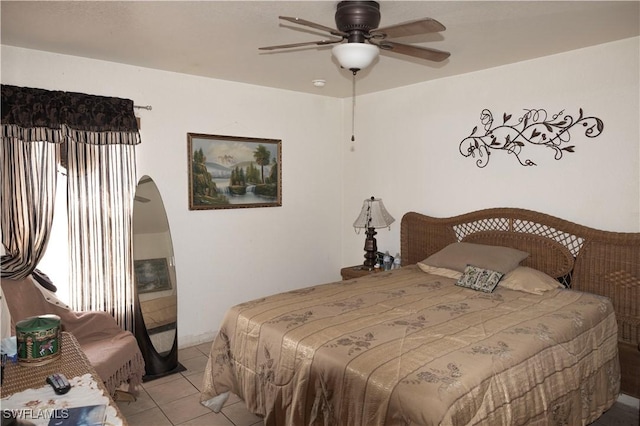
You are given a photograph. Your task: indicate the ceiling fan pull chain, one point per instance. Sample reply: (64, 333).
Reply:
(353, 109)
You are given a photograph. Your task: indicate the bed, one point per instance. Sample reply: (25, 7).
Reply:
(554, 342)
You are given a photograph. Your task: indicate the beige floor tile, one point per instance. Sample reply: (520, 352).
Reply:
(151, 417)
(195, 379)
(161, 381)
(205, 348)
(143, 402)
(184, 409)
(190, 373)
(170, 391)
(188, 353)
(196, 364)
(239, 414)
(233, 398)
(211, 419)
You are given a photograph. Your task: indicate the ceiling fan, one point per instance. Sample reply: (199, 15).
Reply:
(357, 23)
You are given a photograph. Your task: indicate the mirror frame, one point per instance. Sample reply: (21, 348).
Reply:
(156, 364)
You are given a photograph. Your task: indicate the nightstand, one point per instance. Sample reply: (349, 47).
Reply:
(356, 271)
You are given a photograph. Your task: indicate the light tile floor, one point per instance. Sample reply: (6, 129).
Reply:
(175, 400)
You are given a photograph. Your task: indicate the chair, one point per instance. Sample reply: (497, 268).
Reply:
(112, 351)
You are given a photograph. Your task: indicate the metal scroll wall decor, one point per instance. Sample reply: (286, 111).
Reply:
(534, 128)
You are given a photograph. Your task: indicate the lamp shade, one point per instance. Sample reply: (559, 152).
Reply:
(373, 215)
(355, 56)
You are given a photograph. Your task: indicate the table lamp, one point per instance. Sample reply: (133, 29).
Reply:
(373, 215)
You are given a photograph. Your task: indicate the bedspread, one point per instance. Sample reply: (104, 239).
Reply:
(409, 348)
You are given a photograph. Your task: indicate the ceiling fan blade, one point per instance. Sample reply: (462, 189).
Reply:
(307, 43)
(306, 23)
(415, 51)
(405, 29)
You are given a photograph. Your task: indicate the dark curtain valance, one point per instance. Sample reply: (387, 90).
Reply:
(32, 114)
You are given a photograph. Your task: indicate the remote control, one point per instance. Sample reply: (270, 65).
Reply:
(59, 383)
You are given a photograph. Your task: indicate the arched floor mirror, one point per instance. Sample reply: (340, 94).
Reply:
(156, 306)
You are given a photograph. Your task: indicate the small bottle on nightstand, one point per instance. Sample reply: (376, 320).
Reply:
(397, 263)
(386, 261)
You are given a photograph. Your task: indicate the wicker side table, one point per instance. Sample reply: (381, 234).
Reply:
(72, 363)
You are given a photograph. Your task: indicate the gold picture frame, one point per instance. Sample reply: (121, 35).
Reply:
(227, 172)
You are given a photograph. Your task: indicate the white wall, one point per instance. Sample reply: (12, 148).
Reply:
(223, 257)
(407, 145)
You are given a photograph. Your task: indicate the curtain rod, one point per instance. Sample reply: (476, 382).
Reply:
(147, 107)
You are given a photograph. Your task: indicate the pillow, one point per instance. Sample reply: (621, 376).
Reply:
(443, 272)
(479, 279)
(457, 256)
(529, 280)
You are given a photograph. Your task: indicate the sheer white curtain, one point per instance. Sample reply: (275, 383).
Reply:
(101, 188)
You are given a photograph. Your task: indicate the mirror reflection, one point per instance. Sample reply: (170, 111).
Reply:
(154, 267)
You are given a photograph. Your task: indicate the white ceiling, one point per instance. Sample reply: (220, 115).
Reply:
(220, 39)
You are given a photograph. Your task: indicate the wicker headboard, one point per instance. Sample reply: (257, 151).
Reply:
(583, 258)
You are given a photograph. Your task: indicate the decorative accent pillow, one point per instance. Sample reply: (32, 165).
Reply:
(479, 279)
(529, 280)
(443, 272)
(457, 256)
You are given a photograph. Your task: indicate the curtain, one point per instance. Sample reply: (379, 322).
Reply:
(27, 199)
(100, 134)
(100, 208)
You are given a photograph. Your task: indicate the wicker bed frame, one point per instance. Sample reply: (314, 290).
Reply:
(582, 258)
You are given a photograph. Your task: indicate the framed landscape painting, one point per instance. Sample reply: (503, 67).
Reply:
(152, 275)
(228, 172)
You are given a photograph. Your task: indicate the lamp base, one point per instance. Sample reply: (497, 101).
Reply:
(371, 249)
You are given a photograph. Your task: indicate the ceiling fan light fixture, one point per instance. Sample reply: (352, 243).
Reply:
(355, 56)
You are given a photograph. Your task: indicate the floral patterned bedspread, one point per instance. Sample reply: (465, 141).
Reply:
(409, 348)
